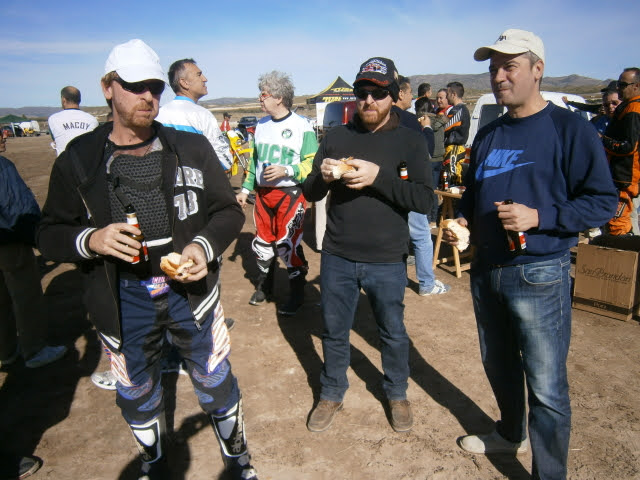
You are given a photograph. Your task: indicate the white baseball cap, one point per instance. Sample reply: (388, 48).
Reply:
(512, 41)
(134, 61)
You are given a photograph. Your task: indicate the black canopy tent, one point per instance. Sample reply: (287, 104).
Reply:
(338, 91)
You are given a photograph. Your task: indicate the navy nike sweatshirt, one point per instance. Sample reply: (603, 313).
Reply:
(552, 161)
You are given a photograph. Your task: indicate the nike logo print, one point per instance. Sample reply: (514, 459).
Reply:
(499, 161)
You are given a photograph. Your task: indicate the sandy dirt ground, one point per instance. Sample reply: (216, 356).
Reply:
(57, 414)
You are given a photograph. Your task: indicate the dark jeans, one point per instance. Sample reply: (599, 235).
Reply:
(384, 285)
(523, 314)
(22, 314)
(436, 167)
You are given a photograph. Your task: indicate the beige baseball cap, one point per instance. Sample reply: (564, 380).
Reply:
(512, 41)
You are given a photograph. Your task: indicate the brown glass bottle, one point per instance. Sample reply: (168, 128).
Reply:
(516, 240)
(140, 261)
(402, 171)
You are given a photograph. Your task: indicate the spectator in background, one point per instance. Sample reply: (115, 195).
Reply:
(456, 132)
(438, 123)
(225, 126)
(183, 113)
(419, 231)
(594, 108)
(610, 101)
(442, 103)
(285, 144)
(71, 121)
(621, 141)
(23, 324)
(424, 91)
(603, 111)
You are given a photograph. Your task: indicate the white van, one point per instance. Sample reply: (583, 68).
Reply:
(486, 110)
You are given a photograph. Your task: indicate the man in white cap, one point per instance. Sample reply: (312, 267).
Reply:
(537, 173)
(184, 203)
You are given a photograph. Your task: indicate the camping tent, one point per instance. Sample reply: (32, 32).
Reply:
(338, 91)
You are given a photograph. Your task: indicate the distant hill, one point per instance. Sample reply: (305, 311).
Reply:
(473, 83)
(481, 83)
(227, 101)
(31, 112)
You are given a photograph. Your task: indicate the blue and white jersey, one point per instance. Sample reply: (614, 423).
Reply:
(184, 114)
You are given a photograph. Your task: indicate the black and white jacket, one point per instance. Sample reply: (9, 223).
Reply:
(196, 189)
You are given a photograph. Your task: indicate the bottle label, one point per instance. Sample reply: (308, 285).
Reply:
(521, 244)
(145, 251)
(404, 175)
(523, 241)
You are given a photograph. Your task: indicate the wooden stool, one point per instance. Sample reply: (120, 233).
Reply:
(447, 212)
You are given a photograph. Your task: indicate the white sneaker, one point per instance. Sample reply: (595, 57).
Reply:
(492, 443)
(438, 289)
(47, 355)
(106, 380)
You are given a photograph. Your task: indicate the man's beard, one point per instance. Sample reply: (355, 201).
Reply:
(130, 119)
(372, 115)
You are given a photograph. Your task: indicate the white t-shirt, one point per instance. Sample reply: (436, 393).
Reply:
(68, 124)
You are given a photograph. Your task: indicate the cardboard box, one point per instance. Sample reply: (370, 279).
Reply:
(606, 280)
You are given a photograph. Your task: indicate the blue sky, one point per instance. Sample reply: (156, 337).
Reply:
(47, 45)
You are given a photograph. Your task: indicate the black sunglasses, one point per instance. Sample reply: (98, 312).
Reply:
(156, 87)
(376, 93)
(623, 85)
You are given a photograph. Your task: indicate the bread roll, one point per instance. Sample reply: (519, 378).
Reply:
(172, 267)
(461, 233)
(342, 168)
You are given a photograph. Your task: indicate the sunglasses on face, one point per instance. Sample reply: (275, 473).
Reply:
(623, 85)
(264, 96)
(156, 87)
(376, 93)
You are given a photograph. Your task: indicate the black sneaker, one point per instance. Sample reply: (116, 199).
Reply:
(257, 298)
(240, 468)
(158, 470)
(18, 467)
(291, 307)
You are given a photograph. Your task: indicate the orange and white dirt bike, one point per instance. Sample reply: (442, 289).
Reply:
(240, 149)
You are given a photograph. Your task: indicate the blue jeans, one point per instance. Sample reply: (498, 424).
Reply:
(523, 314)
(420, 236)
(384, 284)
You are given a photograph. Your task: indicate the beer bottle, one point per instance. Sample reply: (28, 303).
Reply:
(402, 171)
(141, 260)
(445, 179)
(516, 240)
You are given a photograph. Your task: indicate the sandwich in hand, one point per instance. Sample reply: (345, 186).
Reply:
(342, 168)
(461, 233)
(172, 267)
